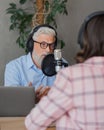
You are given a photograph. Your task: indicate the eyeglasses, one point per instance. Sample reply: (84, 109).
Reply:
(44, 45)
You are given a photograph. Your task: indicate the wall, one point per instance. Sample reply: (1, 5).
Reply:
(68, 27)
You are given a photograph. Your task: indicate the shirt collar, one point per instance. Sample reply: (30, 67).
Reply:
(29, 61)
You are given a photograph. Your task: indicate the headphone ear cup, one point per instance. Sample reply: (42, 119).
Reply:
(29, 44)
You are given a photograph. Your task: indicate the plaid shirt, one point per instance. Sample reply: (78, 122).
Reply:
(76, 100)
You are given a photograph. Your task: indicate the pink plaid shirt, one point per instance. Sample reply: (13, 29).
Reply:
(76, 100)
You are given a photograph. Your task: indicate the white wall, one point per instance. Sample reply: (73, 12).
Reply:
(68, 27)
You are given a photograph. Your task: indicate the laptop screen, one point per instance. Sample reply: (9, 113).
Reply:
(16, 101)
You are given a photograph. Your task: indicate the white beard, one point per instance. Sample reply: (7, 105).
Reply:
(38, 59)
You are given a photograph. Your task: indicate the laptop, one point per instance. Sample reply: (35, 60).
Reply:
(16, 101)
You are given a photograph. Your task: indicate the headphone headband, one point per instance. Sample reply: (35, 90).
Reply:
(84, 24)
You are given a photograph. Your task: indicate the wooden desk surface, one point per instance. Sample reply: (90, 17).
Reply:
(15, 123)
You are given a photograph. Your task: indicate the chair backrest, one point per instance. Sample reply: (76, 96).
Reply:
(16, 101)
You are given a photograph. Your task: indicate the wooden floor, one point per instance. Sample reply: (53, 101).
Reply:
(15, 123)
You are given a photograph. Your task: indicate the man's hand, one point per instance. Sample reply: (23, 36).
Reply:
(40, 92)
(30, 84)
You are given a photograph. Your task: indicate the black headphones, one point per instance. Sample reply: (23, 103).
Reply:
(84, 25)
(30, 42)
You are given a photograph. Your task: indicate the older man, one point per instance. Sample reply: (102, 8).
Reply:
(26, 70)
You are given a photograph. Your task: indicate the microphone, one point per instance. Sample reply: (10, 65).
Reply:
(53, 62)
(58, 59)
(48, 65)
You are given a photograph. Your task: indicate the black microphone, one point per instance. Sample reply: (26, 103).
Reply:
(52, 63)
(48, 65)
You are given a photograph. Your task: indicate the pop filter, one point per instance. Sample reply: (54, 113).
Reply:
(48, 65)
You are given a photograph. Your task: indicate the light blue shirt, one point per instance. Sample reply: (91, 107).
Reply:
(21, 71)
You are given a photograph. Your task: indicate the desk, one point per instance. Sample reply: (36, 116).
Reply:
(15, 123)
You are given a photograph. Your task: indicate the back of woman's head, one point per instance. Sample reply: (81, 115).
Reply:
(93, 39)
